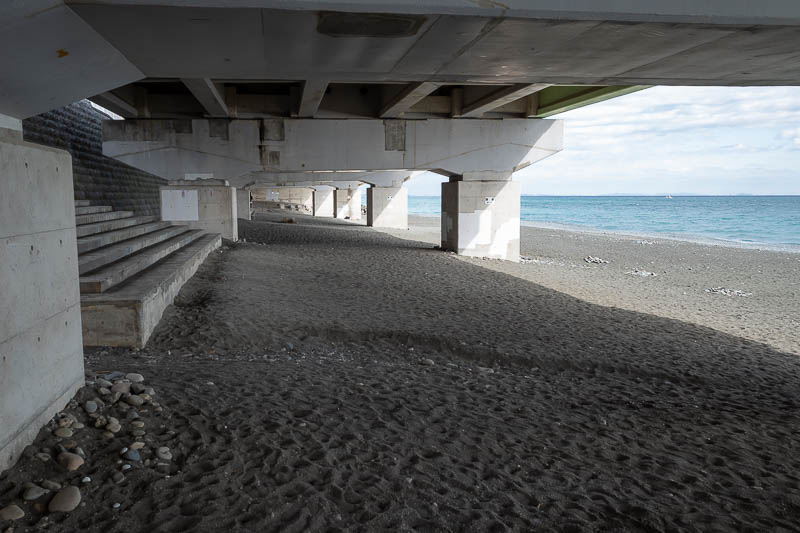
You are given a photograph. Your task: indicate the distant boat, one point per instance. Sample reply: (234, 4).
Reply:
(668, 196)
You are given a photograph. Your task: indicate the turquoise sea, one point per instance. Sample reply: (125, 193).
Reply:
(742, 220)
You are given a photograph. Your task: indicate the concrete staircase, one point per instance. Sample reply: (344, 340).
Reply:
(131, 268)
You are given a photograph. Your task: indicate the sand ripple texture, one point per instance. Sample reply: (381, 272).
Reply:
(326, 377)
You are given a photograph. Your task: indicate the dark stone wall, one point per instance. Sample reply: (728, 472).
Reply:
(78, 129)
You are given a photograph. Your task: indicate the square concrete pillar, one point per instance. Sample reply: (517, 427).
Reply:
(209, 205)
(348, 203)
(387, 207)
(243, 204)
(481, 218)
(323, 203)
(41, 349)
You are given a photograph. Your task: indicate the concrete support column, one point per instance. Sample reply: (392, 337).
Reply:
(481, 218)
(347, 203)
(41, 349)
(209, 205)
(323, 203)
(243, 209)
(387, 207)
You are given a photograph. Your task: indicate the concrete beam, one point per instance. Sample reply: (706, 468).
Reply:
(500, 98)
(233, 148)
(406, 98)
(114, 103)
(209, 94)
(311, 97)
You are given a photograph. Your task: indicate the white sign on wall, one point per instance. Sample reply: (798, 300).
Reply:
(179, 204)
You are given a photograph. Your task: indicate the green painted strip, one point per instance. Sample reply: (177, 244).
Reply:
(559, 99)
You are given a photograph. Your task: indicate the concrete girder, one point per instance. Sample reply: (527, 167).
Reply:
(384, 179)
(471, 149)
(501, 97)
(311, 97)
(406, 98)
(209, 94)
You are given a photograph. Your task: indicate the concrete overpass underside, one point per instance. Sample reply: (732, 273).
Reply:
(326, 95)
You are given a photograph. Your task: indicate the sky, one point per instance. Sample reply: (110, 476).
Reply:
(671, 140)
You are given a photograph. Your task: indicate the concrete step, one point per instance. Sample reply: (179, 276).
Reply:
(82, 203)
(98, 240)
(101, 217)
(91, 261)
(114, 274)
(91, 209)
(111, 225)
(127, 314)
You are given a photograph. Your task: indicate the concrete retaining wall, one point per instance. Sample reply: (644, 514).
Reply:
(78, 129)
(211, 208)
(41, 353)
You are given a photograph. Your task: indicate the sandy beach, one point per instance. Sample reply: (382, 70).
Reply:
(325, 376)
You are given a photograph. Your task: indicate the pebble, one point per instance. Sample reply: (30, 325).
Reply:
(164, 454)
(51, 485)
(104, 383)
(104, 391)
(428, 362)
(65, 500)
(113, 428)
(134, 400)
(137, 424)
(123, 450)
(121, 387)
(69, 444)
(70, 461)
(150, 391)
(115, 397)
(12, 512)
(33, 493)
(63, 432)
(132, 455)
(43, 457)
(87, 479)
(80, 452)
(132, 414)
(137, 388)
(108, 435)
(100, 422)
(78, 425)
(126, 467)
(115, 375)
(138, 445)
(90, 407)
(115, 506)
(133, 377)
(118, 477)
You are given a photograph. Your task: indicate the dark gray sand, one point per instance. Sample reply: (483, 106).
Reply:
(327, 377)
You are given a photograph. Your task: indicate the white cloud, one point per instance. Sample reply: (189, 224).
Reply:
(705, 140)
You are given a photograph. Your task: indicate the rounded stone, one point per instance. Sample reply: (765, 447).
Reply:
(133, 377)
(12, 512)
(104, 383)
(51, 485)
(138, 433)
(138, 445)
(137, 424)
(108, 435)
(65, 500)
(121, 387)
(132, 455)
(90, 407)
(78, 425)
(164, 454)
(33, 493)
(104, 391)
(150, 391)
(70, 461)
(118, 477)
(134, 400)
(43, 457)
(63, 433)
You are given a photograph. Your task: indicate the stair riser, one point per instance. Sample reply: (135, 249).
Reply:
(112, 225)
(88, 244)
(101, 217)
(82, 203)
(90, 262)
(102, 285)
(90, 210)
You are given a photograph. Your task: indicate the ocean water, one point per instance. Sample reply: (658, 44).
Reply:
(743, 220)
